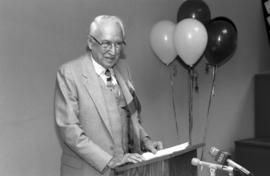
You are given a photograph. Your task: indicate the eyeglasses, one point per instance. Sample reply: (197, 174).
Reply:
(108, 44)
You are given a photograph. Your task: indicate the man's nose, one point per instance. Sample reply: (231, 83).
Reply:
(113, 49)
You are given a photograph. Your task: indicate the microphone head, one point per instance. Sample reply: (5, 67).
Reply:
(220, 157)
(195, 161)
(214, 151)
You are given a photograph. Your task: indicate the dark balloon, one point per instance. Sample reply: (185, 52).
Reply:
(222, 40)
(196, 9)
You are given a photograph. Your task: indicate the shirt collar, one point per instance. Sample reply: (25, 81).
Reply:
(100, 70)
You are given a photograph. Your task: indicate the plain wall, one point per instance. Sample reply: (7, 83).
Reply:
(36, 36)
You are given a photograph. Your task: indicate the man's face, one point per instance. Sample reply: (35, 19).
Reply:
(105, 45)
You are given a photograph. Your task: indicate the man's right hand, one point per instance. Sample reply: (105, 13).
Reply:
(123, 159)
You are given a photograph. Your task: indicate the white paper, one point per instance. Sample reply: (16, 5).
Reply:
(167, 151)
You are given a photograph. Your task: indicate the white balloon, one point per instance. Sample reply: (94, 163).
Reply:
(162, 42)
(190, 39)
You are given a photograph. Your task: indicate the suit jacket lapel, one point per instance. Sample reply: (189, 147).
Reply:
(134, 126)
(91, 83)
(123, 86)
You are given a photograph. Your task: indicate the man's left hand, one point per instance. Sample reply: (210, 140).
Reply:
(152, 146)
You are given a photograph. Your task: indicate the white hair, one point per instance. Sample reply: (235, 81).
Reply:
(99, 20)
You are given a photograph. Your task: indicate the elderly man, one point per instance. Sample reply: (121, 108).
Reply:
(96, 109)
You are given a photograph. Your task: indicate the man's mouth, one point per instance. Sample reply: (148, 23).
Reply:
(109, 58)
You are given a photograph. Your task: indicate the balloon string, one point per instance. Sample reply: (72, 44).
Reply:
(190, 119)
(173, 102)
(212, 94)
(195, 78)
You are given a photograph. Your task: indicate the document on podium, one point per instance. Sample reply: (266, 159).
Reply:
(166, 151)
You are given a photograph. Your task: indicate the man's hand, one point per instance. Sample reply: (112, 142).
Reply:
(123, 159)
(152, 146)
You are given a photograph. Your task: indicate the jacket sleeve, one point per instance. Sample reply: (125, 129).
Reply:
(68, 123)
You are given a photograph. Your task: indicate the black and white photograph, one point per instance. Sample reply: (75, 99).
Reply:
(134, 87)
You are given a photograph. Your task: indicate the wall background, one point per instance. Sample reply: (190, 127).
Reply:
(37, 36)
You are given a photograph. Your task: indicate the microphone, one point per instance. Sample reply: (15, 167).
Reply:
(220, 157)
(223, 157)
(197, 162)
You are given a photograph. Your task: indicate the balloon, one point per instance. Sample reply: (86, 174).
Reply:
(161, 39)
(196, 9)
(190, 38)
(222, 34)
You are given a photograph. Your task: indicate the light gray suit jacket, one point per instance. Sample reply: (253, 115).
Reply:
(82, 119)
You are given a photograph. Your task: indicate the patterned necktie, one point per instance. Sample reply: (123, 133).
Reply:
(108, 77)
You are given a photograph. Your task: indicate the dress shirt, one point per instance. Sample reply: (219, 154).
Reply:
(100, 70)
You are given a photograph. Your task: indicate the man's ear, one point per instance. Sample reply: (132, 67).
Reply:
(89, 43)
(122, 54)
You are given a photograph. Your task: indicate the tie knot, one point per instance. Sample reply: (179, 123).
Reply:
(108, 75)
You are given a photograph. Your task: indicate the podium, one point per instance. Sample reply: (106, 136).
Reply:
(175, 164)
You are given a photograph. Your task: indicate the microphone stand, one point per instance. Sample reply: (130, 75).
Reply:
(213, 167)
(231, 173)
(224, 157)
(213, 171)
